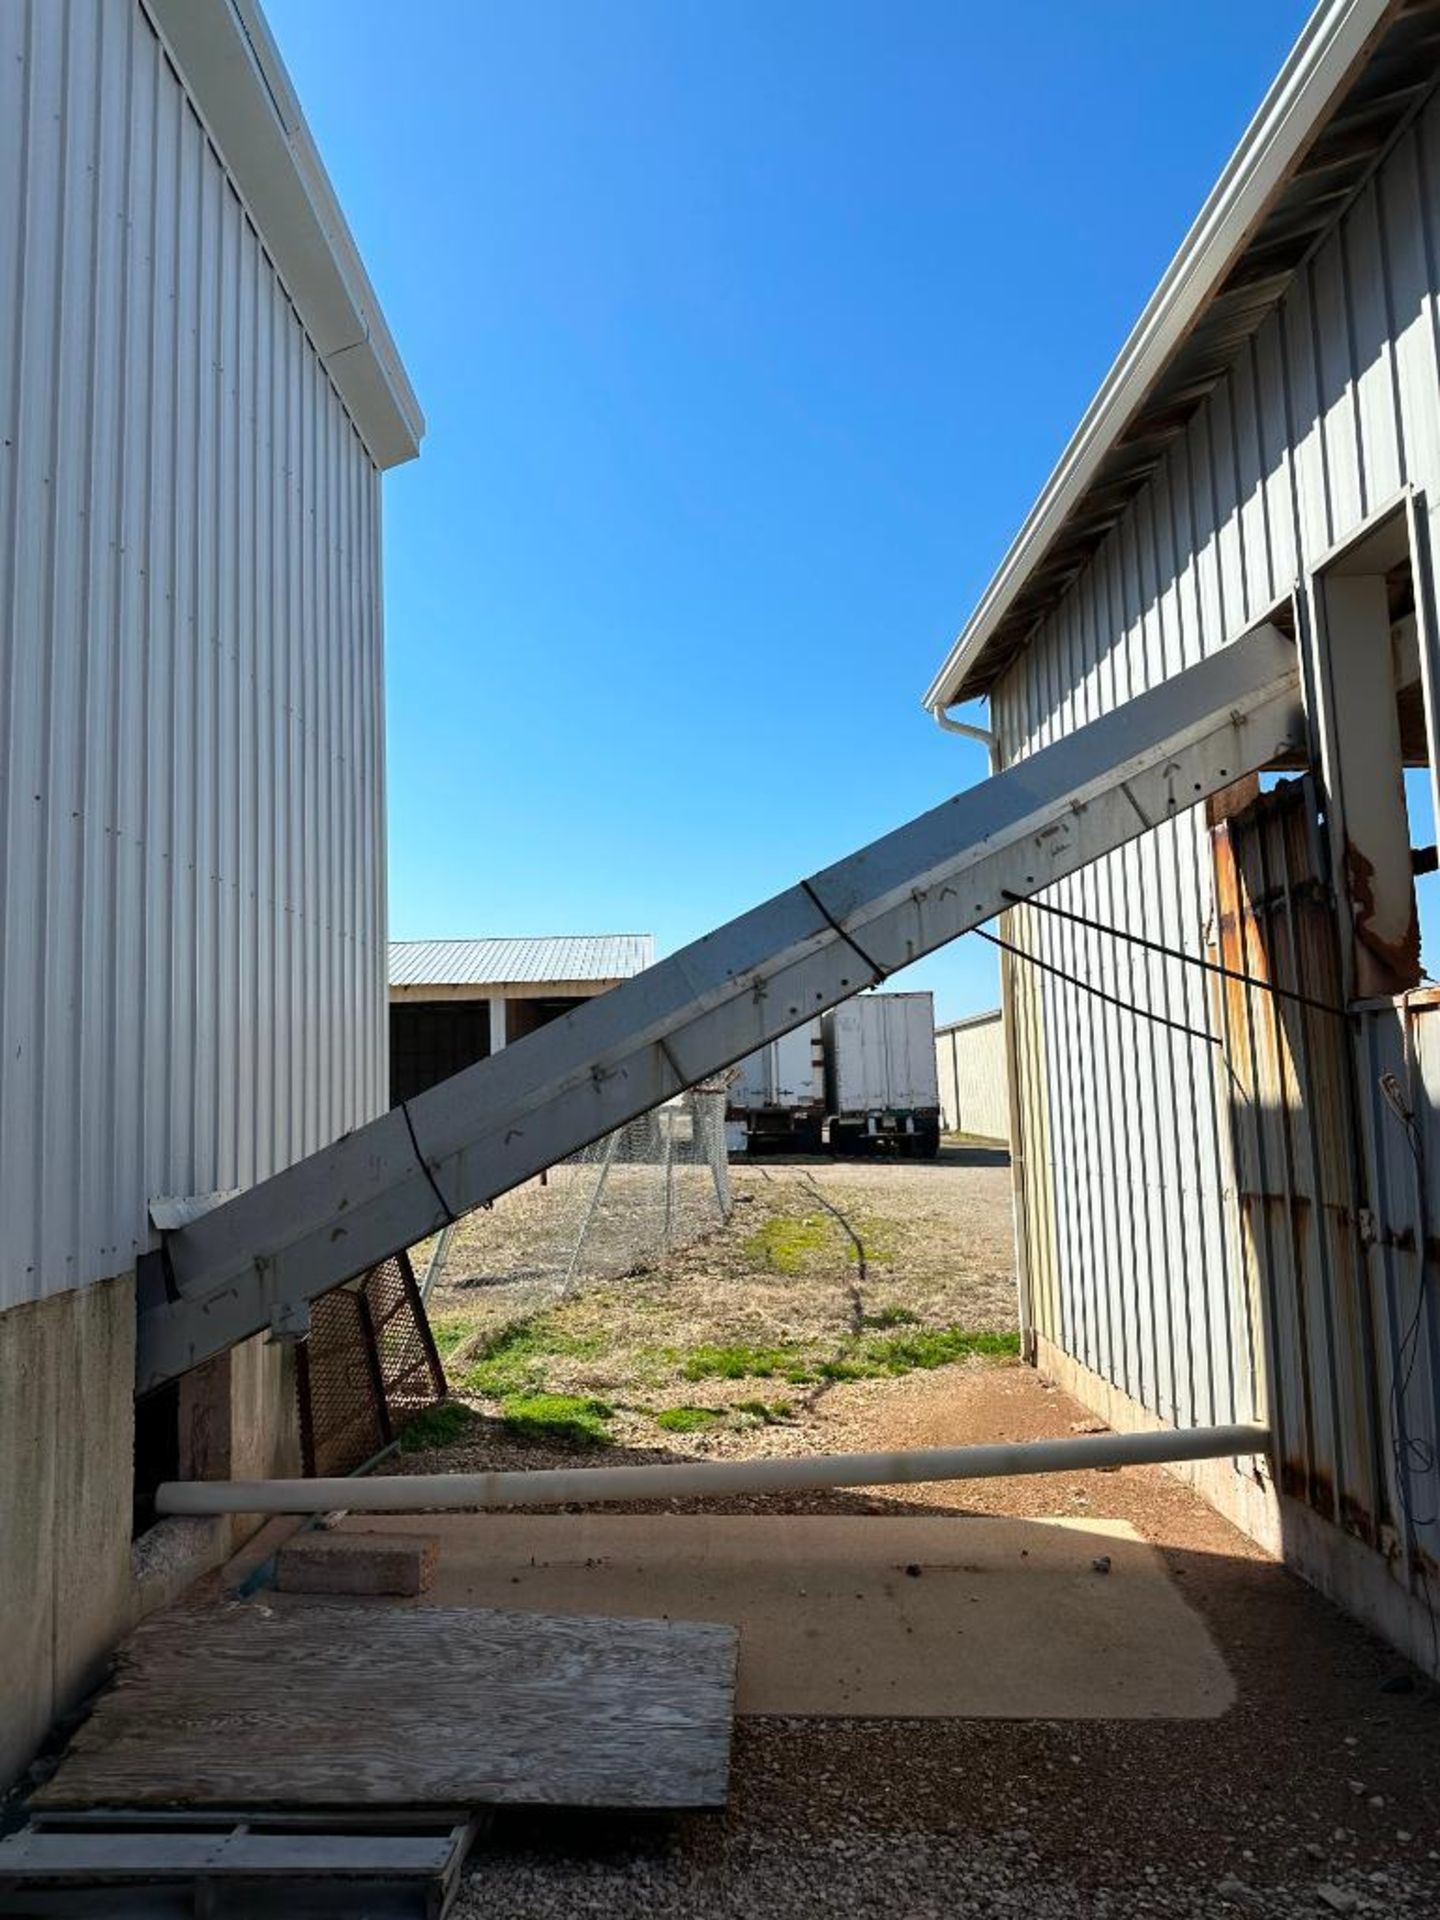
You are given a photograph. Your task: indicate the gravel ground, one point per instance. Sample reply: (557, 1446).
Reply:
(1318, 1793)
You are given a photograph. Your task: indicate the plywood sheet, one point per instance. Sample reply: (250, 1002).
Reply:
(955, 1617)
(326, 1705)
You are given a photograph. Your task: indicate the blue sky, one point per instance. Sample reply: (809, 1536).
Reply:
(746, 334)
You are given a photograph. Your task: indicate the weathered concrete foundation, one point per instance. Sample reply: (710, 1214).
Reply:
(71, 1582)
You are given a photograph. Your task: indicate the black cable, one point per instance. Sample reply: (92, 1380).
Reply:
(424, 1165)
(1177, 953)
(849, 939)
(1125, 1006)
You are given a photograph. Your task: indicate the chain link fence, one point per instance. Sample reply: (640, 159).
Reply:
(619, 1206)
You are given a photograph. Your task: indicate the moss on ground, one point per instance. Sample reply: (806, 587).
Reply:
(435, 1427)
(786, 1241)
(557, 1419)
(515, 1361)
(689, 1419)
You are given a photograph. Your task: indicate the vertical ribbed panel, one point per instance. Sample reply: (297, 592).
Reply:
(191, 790)
(1330, 409)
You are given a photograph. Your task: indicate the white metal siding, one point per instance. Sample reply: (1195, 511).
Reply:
(192, 960)
(970, 1064)
(1332, 407)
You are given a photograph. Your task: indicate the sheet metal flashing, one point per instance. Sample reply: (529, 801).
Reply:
(970, 1020)
(237, 81)
(416, 964)
(1358, 71)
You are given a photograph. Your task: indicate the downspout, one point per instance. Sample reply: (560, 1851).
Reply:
(991, 742)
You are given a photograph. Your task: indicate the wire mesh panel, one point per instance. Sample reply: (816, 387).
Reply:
(368, 1363)
(619, 1206)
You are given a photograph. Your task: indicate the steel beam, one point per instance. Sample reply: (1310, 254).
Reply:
(252, 1261)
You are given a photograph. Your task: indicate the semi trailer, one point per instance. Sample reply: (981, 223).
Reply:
(881, 1085)
(776, 1097)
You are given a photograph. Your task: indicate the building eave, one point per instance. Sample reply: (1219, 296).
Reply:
(1334, 47)
(233, 72)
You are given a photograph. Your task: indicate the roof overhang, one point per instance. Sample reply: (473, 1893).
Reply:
(1357, 73)
(233, 73)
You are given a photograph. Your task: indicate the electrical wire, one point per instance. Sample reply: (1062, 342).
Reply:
(1178, 953)
(1100, 993)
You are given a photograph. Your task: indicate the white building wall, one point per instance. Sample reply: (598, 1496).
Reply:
(192, 961)
(970, 1066)
(1131, 1241)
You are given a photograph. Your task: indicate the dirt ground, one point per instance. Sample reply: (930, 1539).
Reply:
(1317, 1793)
(826, 1271)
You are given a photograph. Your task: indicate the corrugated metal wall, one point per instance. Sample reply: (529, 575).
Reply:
(1133, 1248)
(192, 964)
(970, 1064)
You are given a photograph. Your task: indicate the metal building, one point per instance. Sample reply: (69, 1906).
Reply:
(970, 1066)
(453, 1002)
(198, 395)
(1226, 1194)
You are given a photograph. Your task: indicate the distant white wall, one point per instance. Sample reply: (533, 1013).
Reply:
(192, 960)
(970, 1062)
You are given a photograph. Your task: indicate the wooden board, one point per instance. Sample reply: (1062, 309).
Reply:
(322, 1705)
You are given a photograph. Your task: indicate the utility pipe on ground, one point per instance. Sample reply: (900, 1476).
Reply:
(691, 1480)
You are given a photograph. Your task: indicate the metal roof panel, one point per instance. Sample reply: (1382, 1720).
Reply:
(523, 960)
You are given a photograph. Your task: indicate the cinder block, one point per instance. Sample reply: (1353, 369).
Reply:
(357, 1563)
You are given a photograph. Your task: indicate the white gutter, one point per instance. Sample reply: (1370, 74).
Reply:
(1320, 65)
(990, 741)
(237, 82)
(688, 1480)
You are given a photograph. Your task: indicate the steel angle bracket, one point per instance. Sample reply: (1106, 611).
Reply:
(391, 1183)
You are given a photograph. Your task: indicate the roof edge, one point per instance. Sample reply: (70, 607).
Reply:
(1315, 72)
(234, 74)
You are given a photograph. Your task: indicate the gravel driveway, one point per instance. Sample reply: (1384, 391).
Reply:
(1318, 1793)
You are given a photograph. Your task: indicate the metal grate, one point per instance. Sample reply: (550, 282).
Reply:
(368, 1363)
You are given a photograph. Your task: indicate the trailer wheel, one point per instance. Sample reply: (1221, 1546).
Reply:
(926, 1143)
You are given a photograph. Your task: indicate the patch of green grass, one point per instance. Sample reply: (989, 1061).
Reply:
(768, 1414)
(688, 1419)
(891, 1317)
(557, 1419)
(514, 1361)
(785, 1242)
(436, 1427)
(877, 1236)
(741, 1361)
(929, 1347)
(449, 1332)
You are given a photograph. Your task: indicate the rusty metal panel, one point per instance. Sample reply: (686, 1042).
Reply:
(1287, 1073)
(368, 1365)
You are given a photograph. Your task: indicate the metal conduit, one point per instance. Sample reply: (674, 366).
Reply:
(587, 1486)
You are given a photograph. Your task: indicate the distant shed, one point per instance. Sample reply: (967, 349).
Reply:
(453, 1002)
(970, 1066)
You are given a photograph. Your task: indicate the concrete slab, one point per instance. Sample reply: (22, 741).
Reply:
(983, 1618)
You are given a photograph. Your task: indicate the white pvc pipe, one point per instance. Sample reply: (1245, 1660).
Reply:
(688, 1480)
